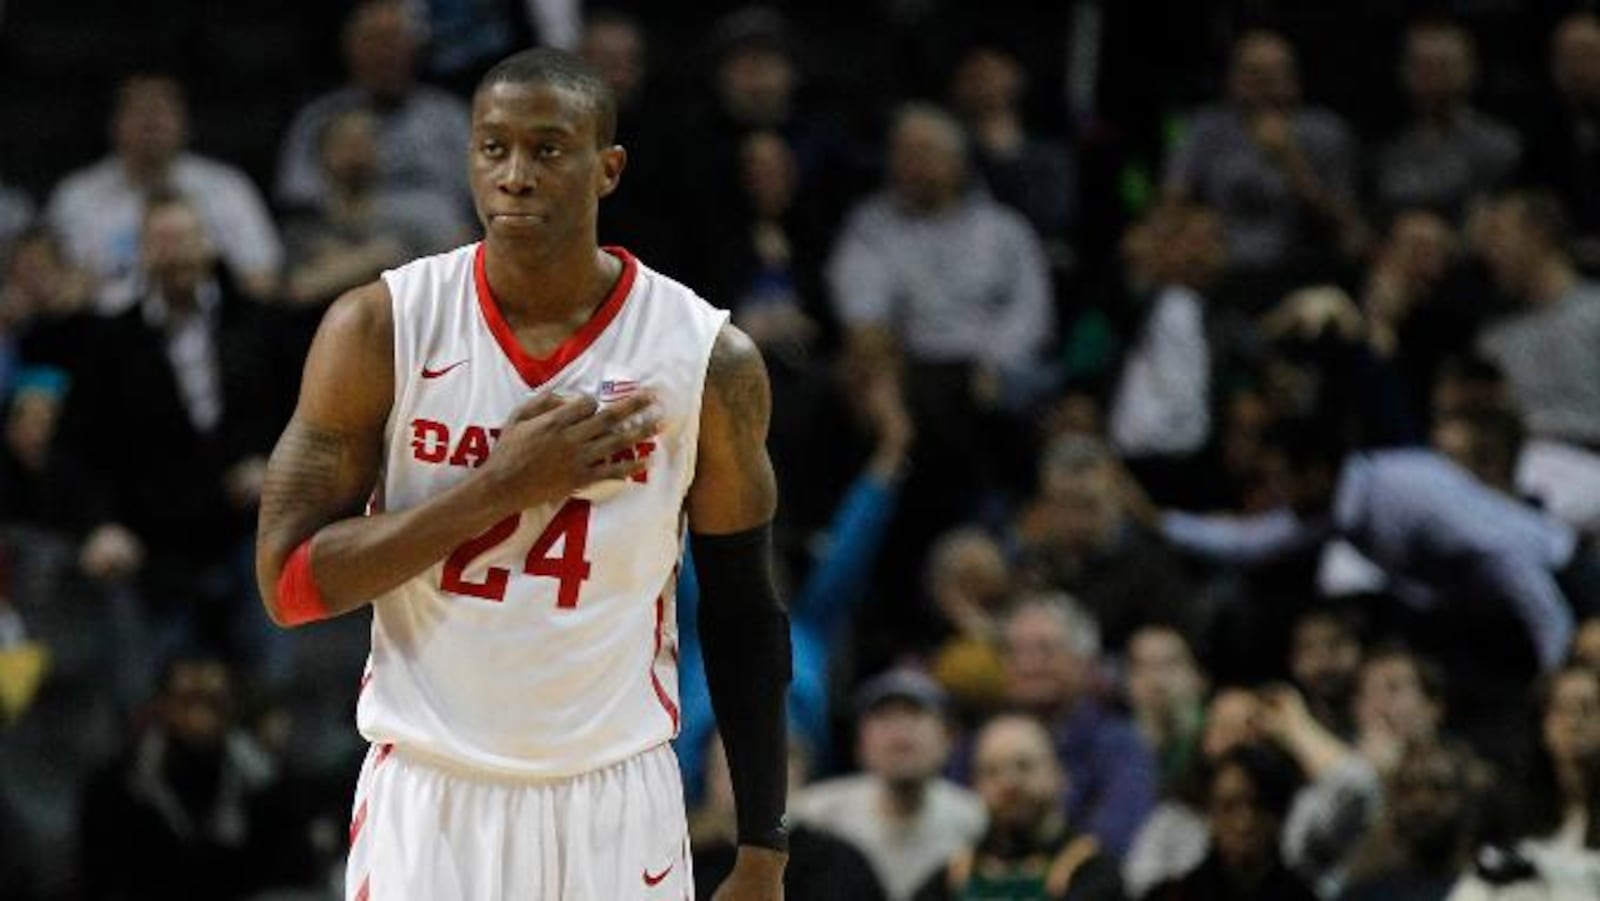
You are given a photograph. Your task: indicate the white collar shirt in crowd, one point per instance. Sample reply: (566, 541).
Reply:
(98, 213)
(1163, 400)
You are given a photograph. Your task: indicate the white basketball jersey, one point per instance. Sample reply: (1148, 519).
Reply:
(547, 646)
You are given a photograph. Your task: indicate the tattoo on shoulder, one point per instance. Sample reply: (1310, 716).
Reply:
(739, 377)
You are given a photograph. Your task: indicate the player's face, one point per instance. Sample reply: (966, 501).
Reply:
(537, 171)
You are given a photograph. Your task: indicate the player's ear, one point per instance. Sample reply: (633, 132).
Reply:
(613, 160)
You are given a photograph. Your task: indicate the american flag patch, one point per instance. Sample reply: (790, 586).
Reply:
(617, 389)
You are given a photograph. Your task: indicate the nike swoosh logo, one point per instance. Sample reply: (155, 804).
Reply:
(655, 879)
(435, 373)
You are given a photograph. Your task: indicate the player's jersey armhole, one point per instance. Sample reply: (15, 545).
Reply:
(720, 318)
(389, 277)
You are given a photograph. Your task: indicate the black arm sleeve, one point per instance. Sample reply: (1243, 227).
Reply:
(744, 637)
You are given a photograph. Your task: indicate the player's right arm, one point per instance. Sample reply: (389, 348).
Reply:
(317, 555)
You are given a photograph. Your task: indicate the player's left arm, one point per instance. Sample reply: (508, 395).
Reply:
(744, 628)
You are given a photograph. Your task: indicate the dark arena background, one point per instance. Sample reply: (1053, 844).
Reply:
(1186, 417)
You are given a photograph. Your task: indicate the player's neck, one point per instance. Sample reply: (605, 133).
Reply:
(531, 288)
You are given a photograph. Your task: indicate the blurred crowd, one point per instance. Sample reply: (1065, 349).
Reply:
(1187, 419)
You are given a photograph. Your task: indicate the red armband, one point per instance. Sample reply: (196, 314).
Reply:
(299, 601)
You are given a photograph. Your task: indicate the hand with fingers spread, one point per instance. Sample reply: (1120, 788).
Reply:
(555, 445)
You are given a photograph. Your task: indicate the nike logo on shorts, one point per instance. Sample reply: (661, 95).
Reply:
(435, 373)
(654, 879)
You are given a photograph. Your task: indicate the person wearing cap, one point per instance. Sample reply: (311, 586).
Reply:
(898, 811)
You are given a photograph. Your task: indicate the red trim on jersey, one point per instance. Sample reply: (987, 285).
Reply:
(538, 370)
(365, 889)
(358, 821)
(384, 750)
(655, 681)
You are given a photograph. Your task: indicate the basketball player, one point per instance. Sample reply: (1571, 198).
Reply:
(531, 421)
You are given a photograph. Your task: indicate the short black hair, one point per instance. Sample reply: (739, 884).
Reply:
(1345, 613)
(1431, 678)
(1542, 211)
(568, 71)
(1309, 439)
(1274, 775)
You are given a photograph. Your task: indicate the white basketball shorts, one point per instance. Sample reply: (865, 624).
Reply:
(424, 831)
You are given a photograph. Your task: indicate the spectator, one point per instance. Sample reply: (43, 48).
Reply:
(756, 85)
(1546, 348)
(163, 444)
(938, 269)
(1280, 174)
(771, 265)
(420, 129)
(1399, 702)
(1450, 154)
(1162, 401)
(1422, 846)
(42, 300)
(1559, 797)
(936, 272)
(969, 580)
(898, 812)
(1248, 795)
(1420, 313)
(1077, 537)
(178, 815)
(821, 867)
(98, 211)
(1030, 851)
(1052, 648)
(359, 229)
(1408, 511)
(1552, 849)
(1322, 357)
(1467, 384)
(1486, 443)
(1166, 694)
(31, 413)
(1325, 649)
(1586, 646)
(1563, 156)
(1033, 176)
(1174, 839)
